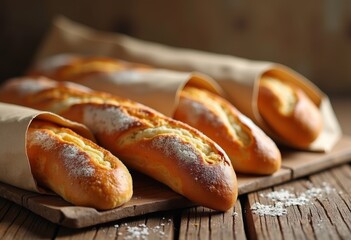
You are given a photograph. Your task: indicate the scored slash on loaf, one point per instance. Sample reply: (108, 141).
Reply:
(168, 150)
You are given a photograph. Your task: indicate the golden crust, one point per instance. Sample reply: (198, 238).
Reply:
(43, 93)
(289, 112)
(250, 150)
(76, 68)
(75, 168)
(171, 152)
(141, 137)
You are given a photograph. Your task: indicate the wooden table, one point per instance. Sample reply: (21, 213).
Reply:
(325, 216)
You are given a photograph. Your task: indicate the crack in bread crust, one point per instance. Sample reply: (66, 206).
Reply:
(75, 168)
(198, 147)
(69, 138)
(284, 93)
(218, 110)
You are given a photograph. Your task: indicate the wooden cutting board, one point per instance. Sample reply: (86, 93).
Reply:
(152, 196)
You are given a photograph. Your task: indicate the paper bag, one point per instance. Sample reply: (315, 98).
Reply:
(238, 77)
(14, 122)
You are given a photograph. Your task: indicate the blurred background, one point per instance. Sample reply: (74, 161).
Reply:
(311, 37)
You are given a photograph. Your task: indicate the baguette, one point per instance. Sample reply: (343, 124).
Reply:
(75, 168)
(289, 112)
(165, 149)
(248, 147)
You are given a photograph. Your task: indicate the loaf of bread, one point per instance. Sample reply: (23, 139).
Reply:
(167, 150)
(75, 168)
(248, 147)
(289, 112)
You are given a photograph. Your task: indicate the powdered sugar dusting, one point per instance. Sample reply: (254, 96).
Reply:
(175, 147)
(42, 139)
(198, 111)
(188, 158)
(109, 120)
(75, 161)
(142, 231)
(31, 86)
(283, 199)
(281, 195)
(271, 210)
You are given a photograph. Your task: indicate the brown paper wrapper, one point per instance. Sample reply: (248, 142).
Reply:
(14, 122)
(238, 77)
(156, 88)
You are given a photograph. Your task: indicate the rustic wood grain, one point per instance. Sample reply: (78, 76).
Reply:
(150, 226)
(328, 216)
(156, 226)
(203, 223)
(260, 227)
(336, 205)
(19, 223)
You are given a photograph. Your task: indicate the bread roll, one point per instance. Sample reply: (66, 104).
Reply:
(248, 147)
(75, 168)
(170, 151)
(289, 112)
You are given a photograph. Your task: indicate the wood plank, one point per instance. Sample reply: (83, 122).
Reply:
(204, 223)
(19, 223)
(75, 233)
(249, 183)
(337, 206)
(260, 227)
(304, 163)
(150, 226)
(327, 216)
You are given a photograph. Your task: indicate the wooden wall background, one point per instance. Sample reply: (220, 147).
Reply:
(312, 37)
